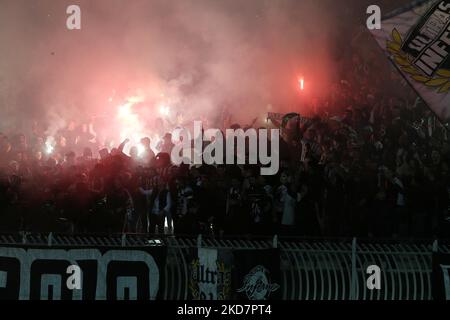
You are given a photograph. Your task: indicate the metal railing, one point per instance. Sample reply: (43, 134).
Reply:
(311, 269)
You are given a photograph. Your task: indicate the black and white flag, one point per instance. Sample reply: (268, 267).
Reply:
(210, 274)
(417, 40)
(257, 274)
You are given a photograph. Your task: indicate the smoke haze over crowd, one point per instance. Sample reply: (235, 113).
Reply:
(199, 54)
(196, 55)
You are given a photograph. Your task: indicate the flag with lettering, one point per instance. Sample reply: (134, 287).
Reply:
(417, 40)
(210, 274)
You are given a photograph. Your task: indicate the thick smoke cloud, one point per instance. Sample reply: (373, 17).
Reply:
(200, 55)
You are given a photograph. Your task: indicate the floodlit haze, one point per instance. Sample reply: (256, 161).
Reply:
(194, 55)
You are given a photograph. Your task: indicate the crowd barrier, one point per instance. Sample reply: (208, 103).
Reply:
(310, 269)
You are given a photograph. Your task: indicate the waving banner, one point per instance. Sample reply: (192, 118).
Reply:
(417, 40)
(33, 273)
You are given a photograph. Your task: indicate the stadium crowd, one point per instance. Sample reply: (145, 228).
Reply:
(368, 163)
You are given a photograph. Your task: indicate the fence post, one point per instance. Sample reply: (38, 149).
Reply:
(50, 239)
(353, 283)
(24, 237)
(199, 241)
(124, 239)
(435, 246)
(275, 241)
